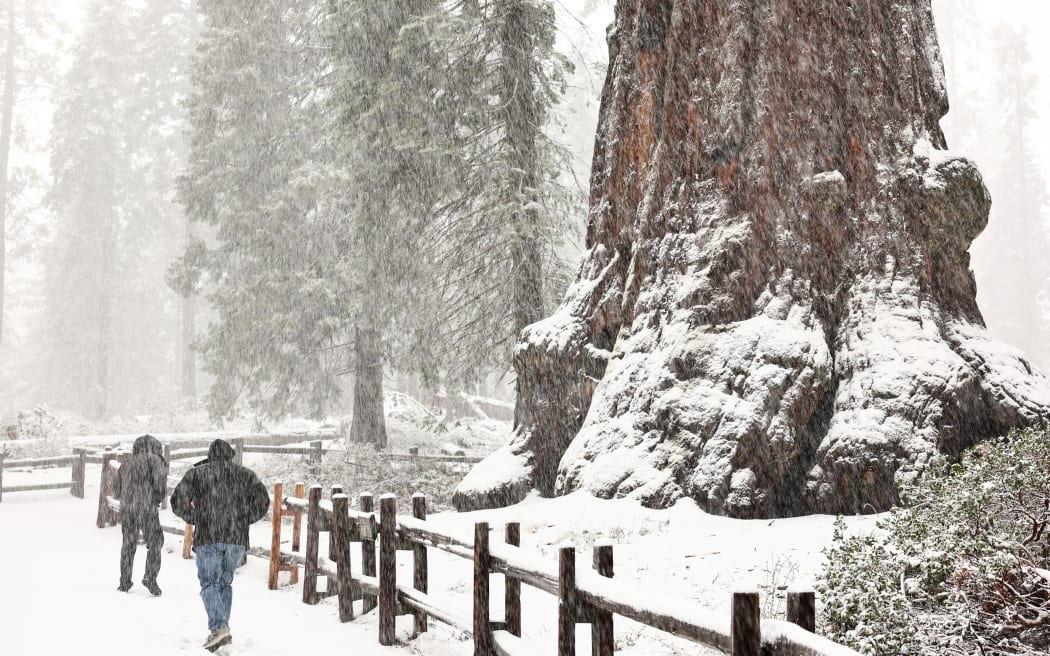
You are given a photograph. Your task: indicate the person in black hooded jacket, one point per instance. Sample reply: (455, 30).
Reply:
(140, 485)
(221, 499)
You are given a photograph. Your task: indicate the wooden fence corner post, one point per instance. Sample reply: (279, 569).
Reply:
(368, 552)
(313, 538)
(341, 530)
(122, 458)
(482, 567)
(275, 541)
(511, 585)
(802, 609)
(79, 472)
(238, 450)
(103, 509)
(567, 601)
(419, 560)
(746, 623)
(3, 455)
(387, 567)
(602, 641)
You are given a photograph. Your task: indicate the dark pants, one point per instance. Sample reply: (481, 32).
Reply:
(149, 523)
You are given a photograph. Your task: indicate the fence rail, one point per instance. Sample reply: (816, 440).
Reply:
(77, 463)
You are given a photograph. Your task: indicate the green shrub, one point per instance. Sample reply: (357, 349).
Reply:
(961, 569)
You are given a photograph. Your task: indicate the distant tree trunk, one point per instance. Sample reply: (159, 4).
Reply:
(517, 89)
(368, 423)
(775, 314)
(6, 123)
(188, 357)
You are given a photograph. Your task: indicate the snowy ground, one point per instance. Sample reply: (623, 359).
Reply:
(59, 596)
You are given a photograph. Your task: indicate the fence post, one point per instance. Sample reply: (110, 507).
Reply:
(332, 582)
(387, 567)
(802, 609)
(368, 553)
(341, 531)
(511, 585)
(315, 457)
(275, 541)
(482, 567)
(746, 632)
(79, 472)
(103, 511)
(187, 542)
(3, 455)
(567, 601)
(313, 538)
(602, 643)
(297, 526)
(238, 450)
(419, 560)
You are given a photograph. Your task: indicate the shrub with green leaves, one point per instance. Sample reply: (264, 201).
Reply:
(961, 569)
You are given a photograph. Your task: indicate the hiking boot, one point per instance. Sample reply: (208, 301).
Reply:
(218, 638)
(124, 586)
(152, 586)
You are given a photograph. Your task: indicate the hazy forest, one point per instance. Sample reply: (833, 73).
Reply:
(187, 223)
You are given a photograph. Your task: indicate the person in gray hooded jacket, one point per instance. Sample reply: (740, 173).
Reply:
(140, 486)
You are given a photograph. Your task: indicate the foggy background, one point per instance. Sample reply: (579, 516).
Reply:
(996, 61)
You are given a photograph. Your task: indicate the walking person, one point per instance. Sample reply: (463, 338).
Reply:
(140, 486)
(221, 499)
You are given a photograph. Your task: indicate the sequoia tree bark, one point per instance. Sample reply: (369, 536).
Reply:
(776, 314)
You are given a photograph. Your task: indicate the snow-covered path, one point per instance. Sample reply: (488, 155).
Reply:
(58, 595)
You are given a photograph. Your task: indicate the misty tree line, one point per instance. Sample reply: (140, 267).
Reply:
(337, 190)
(992, 87)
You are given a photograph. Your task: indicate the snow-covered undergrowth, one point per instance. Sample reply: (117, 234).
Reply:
(962, 571)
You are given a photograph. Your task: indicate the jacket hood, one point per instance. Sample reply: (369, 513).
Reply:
(220, 450)
(141, 445)
(148, 444)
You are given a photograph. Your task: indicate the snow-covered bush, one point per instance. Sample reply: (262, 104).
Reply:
(961, 569)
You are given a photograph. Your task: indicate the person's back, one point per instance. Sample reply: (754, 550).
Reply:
(221, 499)
(140, 486)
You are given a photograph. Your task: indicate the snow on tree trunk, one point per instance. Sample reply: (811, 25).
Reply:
(775, 314)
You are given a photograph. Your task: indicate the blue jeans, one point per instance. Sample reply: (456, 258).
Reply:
(215, 566)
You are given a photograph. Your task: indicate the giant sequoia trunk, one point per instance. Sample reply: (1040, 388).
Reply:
(775, 314)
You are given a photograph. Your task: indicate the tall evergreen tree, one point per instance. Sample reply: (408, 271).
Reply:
(1016, 276)
(252, 126)
(26, 31)
(108, 317)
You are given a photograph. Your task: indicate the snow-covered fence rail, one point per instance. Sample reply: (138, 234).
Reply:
(77, 462)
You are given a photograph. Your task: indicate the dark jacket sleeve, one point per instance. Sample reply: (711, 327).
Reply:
(118, 482)
(159, 472)
(259, 499)
(181, 499)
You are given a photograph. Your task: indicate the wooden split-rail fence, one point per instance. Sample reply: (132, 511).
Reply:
(584, 596)
(77, 462)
